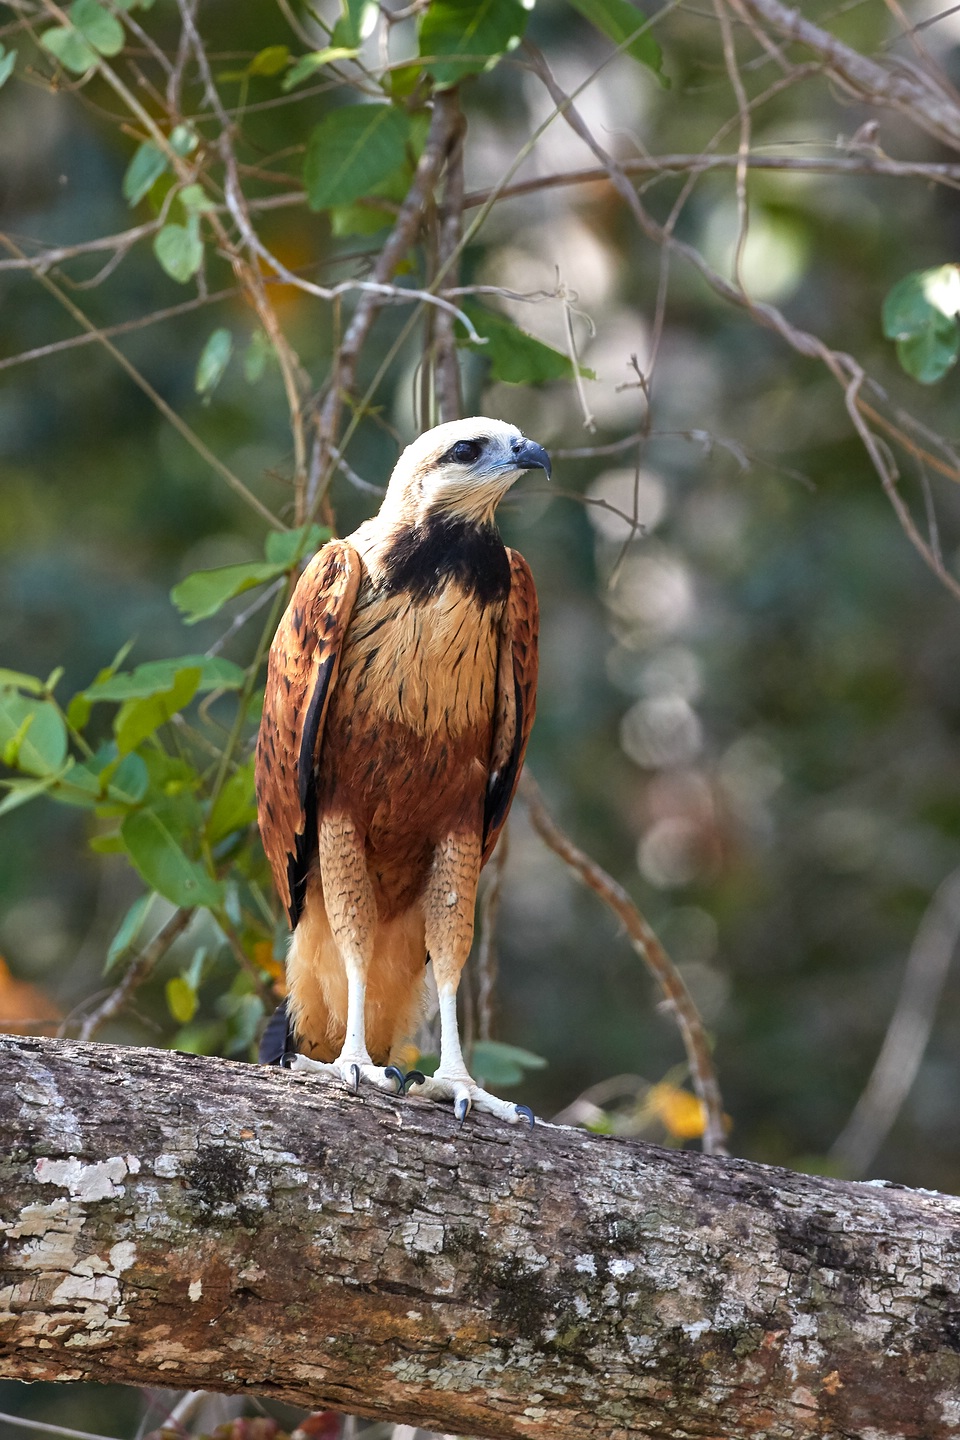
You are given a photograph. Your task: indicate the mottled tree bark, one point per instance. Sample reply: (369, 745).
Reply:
(177, 1221)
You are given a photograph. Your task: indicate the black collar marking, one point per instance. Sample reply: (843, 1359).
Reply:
(444, 549)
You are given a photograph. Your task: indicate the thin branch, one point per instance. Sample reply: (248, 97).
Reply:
(653, 955)
(121, 243)
(137, 972)
(843, 367)
(905, 1042)
(46, 1429)
(442, 132)
(900, 87)
(179, 424)
(446, 359)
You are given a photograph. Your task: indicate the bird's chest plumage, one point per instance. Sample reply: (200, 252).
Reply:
(428, 666)
(406, 753)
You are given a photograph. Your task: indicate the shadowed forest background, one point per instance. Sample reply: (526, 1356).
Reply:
(750, 676)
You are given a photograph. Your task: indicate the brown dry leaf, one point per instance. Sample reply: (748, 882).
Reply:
(24, 1008)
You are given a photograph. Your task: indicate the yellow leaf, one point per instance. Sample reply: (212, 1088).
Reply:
(680, 1113)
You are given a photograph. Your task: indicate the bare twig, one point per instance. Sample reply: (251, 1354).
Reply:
(446, 362)
(844, 369)
(651, 952)
(143, 384)
(137, 972)
(916, 94)
(442, 133)
(44, 1428)
(895, 1069)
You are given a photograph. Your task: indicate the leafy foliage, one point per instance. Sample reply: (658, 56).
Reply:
(619, 21)
(920, 314)
(352, 151)
(477, 32)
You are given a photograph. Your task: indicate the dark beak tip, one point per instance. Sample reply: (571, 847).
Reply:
(532, 456)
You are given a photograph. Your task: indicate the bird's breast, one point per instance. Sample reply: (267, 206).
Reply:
(428, 665)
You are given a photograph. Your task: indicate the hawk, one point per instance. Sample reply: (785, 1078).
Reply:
(400, 693)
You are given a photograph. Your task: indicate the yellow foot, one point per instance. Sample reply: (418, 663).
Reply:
(466, 1096)
(351, 1069)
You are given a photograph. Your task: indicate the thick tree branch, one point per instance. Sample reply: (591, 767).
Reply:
(188, 1222)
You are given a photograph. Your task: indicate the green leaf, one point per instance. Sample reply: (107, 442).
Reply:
(214, 359)
(77, 785)
(270, 61)
(68, 46)
(8, 58)
(352, 150)
(286, 547)
(501, 1064)
(195, 199)
(919, 312)
(155, 676)
(477, 33)
(18, 681)
(617, 19)
(929, 355)
(136, 719)
(19, 792)
(163, 864)
(183, 140)
(127, 779)
(308, 65)
(359, 219)
(78, 713)
(130, 928)
(206, 591)
(913, 304)
(516, 357)
(103, 30)
(255, 357)
(33, 737)
(182, 999)
(356, 22)
(147, 165)
(179, 250)
(235, 806)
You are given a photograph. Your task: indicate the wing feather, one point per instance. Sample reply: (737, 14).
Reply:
(516, 698)
(301, 675)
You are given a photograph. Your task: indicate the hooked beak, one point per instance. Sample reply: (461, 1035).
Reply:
(528, 455)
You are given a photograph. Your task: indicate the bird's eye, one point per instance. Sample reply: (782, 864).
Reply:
(465, 452)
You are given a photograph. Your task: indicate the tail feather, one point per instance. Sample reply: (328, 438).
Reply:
(277, 1039)
(318, 985)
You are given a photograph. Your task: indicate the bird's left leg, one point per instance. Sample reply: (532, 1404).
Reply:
(449, 902)
(352, 913)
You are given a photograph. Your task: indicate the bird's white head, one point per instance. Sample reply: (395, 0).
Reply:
(462, 469)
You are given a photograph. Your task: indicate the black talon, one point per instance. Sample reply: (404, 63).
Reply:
(355, 1071)
(412, 1077)
(527, 1114)
(461, 1108)
(395, 1074)
(287, 1059)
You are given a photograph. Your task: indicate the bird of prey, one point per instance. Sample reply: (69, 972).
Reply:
(399, 699)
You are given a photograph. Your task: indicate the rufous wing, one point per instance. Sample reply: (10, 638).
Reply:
(301, 674)
(516, 698)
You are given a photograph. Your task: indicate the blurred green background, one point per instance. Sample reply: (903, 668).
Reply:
(749, 713)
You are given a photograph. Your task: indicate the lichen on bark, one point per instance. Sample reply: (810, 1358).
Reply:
(190, 1222)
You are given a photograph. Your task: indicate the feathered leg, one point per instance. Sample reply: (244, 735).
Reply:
(448, 904)
(352, 913)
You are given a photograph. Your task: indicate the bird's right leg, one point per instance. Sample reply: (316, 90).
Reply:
(352, 913)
